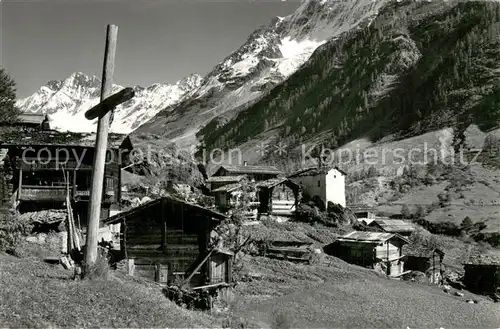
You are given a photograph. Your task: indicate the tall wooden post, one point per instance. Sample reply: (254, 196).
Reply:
(100, 149)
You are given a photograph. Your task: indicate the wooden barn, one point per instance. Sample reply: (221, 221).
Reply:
(227, 196)
(255, 173)
(371, 249)
(482, 275)
(220, 181)
(398, 226)
(278, 196)
(44, 166)
(169, 240)
(426, 260)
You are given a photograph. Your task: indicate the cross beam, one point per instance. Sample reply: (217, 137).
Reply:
(110, 103)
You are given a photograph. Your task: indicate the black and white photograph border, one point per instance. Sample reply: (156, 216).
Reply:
(249, 164)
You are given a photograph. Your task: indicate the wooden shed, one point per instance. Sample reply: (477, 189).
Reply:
(426, 260)
(482, 275)
(278, 196)
(371, 249)
(227, 196)
(173, 236)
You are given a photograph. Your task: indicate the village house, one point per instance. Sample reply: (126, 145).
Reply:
(42, 167)
(168, 240)
(371, 249)
(278, 196)
(398, 226)
(323, 182)
(482, 275)
(254, 173)
(425, 260)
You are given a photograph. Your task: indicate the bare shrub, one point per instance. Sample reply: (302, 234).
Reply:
(12, 230)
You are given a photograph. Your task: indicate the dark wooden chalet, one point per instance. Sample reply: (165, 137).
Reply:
(173, 235)
(43, 164)
(278, 196)
(426, 260)
(256, 173)
(482, 275)
(371, 249)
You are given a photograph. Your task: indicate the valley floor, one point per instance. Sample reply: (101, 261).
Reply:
(271, 294)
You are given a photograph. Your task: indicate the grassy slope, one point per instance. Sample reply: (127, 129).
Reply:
(343, 295)
(35, 294)
(334, 294)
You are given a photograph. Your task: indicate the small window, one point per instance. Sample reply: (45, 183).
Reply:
(319, 183)
(334, 176)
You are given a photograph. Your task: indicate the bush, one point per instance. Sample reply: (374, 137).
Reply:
(308, 213)
(12, 230)
(466, 224)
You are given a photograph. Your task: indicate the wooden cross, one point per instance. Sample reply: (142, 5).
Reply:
(102, 111)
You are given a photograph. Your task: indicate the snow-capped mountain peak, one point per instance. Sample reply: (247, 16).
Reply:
(269, 56)
(66, 101)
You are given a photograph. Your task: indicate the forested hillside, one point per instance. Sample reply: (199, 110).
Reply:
(418, 67)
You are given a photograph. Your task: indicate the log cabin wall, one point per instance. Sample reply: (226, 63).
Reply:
(482, 278)
(167, 234)
(362, 254)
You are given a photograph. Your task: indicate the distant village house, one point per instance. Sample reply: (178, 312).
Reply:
(325, 183)
(371, 249)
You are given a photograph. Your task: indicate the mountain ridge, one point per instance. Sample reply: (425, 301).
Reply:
(269, 56)
(417, 67)
(66, 101)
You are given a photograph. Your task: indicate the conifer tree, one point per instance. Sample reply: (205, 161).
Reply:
(8, 110)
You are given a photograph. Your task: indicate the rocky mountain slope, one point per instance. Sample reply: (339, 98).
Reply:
(66, 102)
(269, 56)
(418, 67)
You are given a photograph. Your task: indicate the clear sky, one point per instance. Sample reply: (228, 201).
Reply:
(158, 41)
